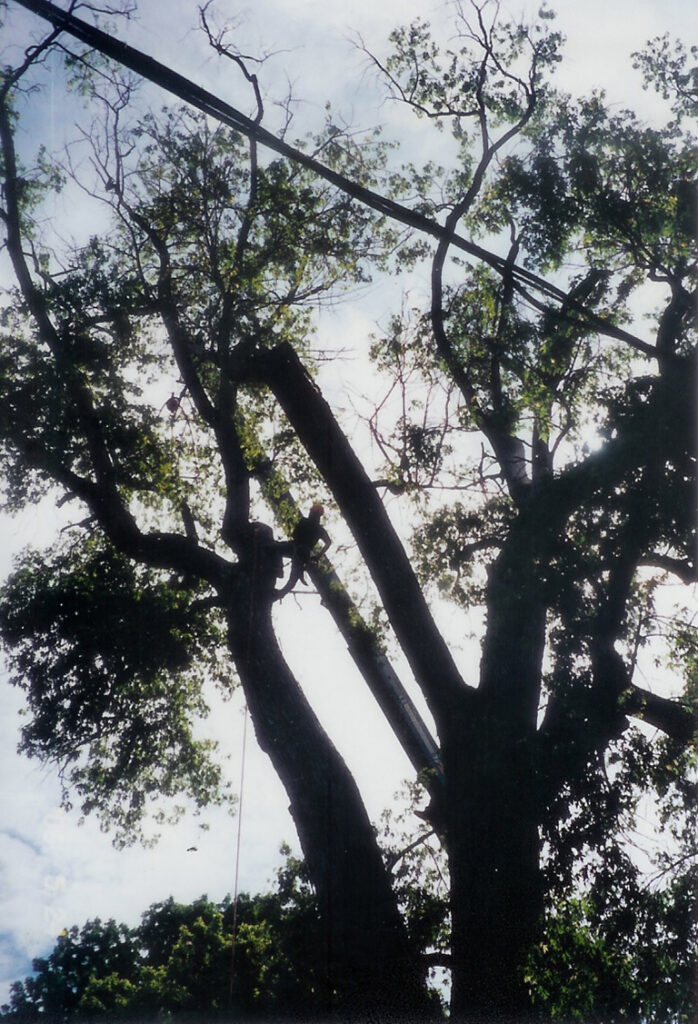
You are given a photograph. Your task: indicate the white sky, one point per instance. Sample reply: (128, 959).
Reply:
(54, 873)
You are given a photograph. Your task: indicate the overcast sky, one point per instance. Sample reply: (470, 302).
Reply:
(55, 873)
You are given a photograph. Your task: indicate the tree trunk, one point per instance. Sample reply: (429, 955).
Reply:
(496, 890)
(370, 966)
(492, 831)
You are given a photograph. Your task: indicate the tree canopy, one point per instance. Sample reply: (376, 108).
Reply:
(180, 959)
(533, 420)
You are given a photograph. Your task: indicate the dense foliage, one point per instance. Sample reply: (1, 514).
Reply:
(535, 425)
(181, 958)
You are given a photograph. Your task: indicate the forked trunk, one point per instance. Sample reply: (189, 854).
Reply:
(370, 968)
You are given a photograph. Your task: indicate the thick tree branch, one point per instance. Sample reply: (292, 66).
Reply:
(37, 305)
(388, 563)
(437, 960)
(364, 647)
(219, 415)
(683, 568)
(508, 450)
(379, 674)
(681, 304)
(514, 641)
(366, 942)
(101, 495)
(157, 549)
(667, 427)
(671, 717)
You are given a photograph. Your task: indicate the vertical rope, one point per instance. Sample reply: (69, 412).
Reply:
(255, 559)
(237, 853)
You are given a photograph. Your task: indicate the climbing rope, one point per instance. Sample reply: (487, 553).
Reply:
(243, 756)
(237, 852)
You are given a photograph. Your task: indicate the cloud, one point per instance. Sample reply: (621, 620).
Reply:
(15, 960)
(13, 834)
(56, 874)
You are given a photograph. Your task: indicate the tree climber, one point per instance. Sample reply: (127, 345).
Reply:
(307, 532)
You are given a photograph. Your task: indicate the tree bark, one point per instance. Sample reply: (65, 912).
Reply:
(492, 817)
(311, 417)
(370, 966)
(496, 887)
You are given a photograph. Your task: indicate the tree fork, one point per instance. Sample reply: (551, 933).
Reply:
(313, 420)
(364, 647)
(371, 965)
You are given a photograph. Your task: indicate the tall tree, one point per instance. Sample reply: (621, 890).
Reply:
(180, 959)
(575, 505)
